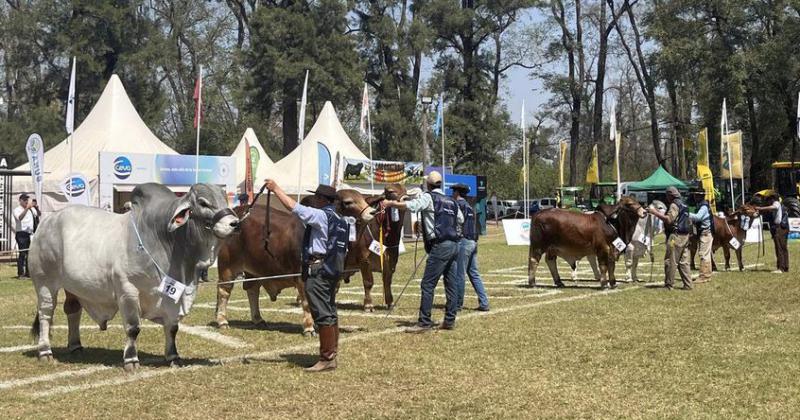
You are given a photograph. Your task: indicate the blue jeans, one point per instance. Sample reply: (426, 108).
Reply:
(468, 266)
(442, 260)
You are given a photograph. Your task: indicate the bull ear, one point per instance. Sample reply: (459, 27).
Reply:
(181, 214)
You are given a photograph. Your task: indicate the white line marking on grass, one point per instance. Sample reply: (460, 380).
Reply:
(299, 311)
(273, 354)
(51, 377)
(211, 335)
(15, 349)
(507, 269)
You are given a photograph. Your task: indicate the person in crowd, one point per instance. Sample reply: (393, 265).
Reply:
(324, 251)
(440, 219)
(468, 250)
(37, 214)
(678, 226)
(24, 227)
(779, 228)
(704, 225)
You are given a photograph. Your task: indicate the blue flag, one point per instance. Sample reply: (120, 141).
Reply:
(437, 124)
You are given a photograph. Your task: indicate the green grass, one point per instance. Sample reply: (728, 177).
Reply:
(730, 348)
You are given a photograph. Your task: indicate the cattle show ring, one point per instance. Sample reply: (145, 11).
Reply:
(162, 285)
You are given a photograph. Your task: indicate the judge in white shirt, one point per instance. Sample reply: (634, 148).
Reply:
(23, 218)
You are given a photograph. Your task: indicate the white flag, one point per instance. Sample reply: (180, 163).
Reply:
(70, 123)
(35, 150)
(613, 122)
(364, 111)
(301, 124)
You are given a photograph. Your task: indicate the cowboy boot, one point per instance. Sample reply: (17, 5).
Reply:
(328, 345)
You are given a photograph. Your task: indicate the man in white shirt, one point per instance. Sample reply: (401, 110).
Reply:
(23, 218)
(779, 229)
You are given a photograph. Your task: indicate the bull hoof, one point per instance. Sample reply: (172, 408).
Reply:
(308, 334)
(75, 349)
(559, 284)
(131, 367)
(223, 325)
(369, 308)
(46, 358)
(260, 324)
(613, 285)
(176, 363)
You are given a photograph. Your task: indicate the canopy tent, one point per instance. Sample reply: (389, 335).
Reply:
(113, 125)
(258, 156)
(321, 153)
(659, 180)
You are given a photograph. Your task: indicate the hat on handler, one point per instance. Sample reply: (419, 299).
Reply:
(434, 178)
(673, 192)
(24, 196)
(325, 191)
(462, 188)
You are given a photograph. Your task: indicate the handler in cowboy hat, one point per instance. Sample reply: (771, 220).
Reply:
(678, 226)
(324, 250)
(440, 218)
(778, 227)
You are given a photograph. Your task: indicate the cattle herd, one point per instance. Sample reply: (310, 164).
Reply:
(146, 263)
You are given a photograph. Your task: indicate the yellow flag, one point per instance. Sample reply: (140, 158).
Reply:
(734, 141)
(706, 177)
(702, 147)
(593, 171)
(563, 159)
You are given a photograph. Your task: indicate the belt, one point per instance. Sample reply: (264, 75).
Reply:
(316, 259)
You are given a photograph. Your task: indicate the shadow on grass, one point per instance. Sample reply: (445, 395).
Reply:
(111, 357)
(301, 360)
(283, 327)
(358, 307)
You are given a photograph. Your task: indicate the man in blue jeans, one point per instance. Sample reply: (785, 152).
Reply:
(440, 218)
(468, 250)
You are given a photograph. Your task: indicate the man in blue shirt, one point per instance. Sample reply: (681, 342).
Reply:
(468, 250)
(703, 222)
(322, 280)
(440, 216)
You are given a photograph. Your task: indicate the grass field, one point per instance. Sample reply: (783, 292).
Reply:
(730, 348)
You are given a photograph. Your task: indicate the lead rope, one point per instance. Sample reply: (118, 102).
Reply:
(141, 246)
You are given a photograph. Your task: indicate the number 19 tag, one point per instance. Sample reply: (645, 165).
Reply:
(619, 244)
(734, 243)
(171, 288)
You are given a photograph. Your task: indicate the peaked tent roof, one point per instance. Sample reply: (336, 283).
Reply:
(327, 131)
(659, 180)
(113, 125)
(264, 162)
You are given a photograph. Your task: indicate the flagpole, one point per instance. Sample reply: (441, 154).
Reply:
(199, 122)
(70, 119)
(369, 137)
(300, 135)
(444, 165)
(728, 142)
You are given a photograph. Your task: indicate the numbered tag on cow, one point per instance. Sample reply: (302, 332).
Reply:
(645, 240)
(619, 244)
(375, 247)
(734, 243)
(171, 288)
(395, 214)
(352, 222)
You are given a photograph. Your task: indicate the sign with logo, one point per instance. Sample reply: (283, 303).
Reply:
(481, 180)
(122, 167)
(35, 150)
(451, 179)
(76, 189)
(517, 231)
(794, 224)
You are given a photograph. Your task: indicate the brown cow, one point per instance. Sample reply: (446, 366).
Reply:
(359, 255)
(572, 236)
(726, 228)
(245, 253)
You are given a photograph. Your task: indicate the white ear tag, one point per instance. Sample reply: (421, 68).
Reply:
(171, 288)
(644, 239)
(375, 247)
(395, 214)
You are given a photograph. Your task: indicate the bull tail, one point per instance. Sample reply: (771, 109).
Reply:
(35, 327)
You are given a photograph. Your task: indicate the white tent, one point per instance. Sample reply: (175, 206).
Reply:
(113, 125)
(262, 166)
(326, 142)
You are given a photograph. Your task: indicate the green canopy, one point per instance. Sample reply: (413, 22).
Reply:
(658, 181)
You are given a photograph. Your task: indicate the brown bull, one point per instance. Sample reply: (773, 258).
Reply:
(360, 257)
(726, 228)
(572, 236)
(246, 253)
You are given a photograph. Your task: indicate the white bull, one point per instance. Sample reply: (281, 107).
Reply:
(116, 262)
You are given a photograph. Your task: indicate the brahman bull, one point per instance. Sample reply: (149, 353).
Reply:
(734, 225)
(246, 253)
(572, 236)
(145, 263)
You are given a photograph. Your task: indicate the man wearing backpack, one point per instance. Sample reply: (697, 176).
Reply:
(324, 251)
(678, 226)
(440, 220)
(704, 224)
(779, 228)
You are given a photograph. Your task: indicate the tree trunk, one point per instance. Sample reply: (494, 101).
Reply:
(599, 85)
(758, 177)
(289, 107)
